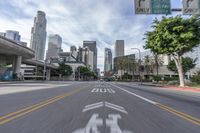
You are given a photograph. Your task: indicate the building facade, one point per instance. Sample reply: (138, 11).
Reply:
(119, 48)
(93, 47)
(38, 35)
(54, 46)
(86, 56)
(125, 64)
(13, 35)
(195, 54)
(108, 60)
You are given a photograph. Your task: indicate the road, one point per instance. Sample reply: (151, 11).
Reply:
(99, 107)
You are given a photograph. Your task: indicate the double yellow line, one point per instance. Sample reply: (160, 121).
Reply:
(180, 114)
(11, 116)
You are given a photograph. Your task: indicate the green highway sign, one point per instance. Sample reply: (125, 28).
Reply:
(160, 7)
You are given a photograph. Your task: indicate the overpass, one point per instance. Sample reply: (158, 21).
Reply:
(13, 53)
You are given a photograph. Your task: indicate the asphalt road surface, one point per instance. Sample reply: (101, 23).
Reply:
(100, 107)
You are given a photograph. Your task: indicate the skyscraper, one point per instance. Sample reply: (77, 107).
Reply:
(119, 48)
(13, 35)
(38, 35)
(108, 60)
(54, 46)
(86, 56)
(93, 47)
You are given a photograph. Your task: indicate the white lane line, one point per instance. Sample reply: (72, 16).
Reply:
(93, 107)
(94, 104)
(120, 110)
(143, 98)
(117, 106)
(112, 90)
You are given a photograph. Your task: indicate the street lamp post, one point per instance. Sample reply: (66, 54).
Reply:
(139, 69)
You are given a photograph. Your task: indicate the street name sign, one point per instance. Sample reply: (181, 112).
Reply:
(160, 7)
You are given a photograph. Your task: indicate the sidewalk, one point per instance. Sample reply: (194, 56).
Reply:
(25, 81)
(193, 89)
(18, 88)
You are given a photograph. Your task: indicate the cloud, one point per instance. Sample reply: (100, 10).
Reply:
(76, 20)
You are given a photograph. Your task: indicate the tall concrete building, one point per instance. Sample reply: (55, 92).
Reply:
(119, 48)
(93, 47)
(86, 56)
(108, 60)
(12, 35)
(38, 35)
(54, 46)
(73, 48)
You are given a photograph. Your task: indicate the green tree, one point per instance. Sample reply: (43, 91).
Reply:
(187, 64)
(158, 62)
(120, 65)
(147, 65)
(64, 70)
(86, 73)
(174, 36)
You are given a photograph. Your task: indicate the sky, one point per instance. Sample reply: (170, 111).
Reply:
(104, 21)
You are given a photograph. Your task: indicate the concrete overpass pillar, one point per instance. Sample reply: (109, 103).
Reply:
(2, 64)
(17, 60)
(48, 74)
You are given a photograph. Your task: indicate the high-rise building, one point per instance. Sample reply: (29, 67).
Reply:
(119, 48)
(13, 35)
(3, 34)
(38, 35)
(93, 47)
(73, 48)
(86, 56)
(108, 60)
(54, 46)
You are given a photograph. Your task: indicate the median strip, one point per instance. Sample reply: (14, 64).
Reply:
(11, 116)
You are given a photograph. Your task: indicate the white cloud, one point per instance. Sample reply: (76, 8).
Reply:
(76, 20)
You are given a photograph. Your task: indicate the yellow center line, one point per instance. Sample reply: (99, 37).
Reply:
(180, 114)
(24, 111)
(27, 108)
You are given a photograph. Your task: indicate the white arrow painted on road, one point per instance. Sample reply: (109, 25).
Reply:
(93, 106)
(115, 107)
(106, 104)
